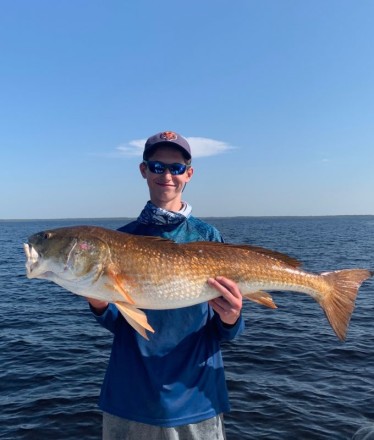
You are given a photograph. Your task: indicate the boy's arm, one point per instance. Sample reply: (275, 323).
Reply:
(105, 314)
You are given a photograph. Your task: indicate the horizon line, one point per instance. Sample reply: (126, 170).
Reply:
(201, 217)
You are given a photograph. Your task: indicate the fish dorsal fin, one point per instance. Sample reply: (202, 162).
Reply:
(275, 254)
(150, 238)
(135, 317)
(198, 245)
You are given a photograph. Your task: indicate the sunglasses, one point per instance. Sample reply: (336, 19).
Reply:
(157, 167)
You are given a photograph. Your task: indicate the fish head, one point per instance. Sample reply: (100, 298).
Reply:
(65, 254)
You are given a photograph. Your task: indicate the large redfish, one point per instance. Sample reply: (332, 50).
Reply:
(136, 272)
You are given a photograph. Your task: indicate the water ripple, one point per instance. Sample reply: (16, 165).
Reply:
(288, 375)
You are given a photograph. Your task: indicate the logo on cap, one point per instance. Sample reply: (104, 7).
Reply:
(168, 136)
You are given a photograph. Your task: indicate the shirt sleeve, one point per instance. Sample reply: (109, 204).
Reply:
(109, 318)
(227, 332)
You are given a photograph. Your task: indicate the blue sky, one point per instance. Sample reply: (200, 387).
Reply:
(281, 91)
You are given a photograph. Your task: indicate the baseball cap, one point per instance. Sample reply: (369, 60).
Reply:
(167, 138)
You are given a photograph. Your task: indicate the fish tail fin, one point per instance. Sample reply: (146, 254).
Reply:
(339, 303)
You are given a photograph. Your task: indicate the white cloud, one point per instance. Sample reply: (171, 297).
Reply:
(200, 147)
(133, 148)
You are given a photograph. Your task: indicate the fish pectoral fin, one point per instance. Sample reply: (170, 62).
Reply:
(262, 298)
(135, 317)
(117, 285)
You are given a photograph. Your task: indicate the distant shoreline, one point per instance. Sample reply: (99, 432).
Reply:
(201, 217)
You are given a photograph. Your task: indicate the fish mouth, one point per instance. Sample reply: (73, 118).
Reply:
(32, 260)
(36, 265)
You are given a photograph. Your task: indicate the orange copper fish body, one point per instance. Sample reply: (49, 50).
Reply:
(137, 272)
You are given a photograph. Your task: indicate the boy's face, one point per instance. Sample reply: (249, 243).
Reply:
(165, 189)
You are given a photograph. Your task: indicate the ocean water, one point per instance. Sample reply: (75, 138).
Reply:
(288, 375)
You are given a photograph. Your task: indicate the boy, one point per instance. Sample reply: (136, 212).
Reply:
(172, 386)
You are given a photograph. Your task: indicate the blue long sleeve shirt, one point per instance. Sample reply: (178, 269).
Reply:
(177, 377)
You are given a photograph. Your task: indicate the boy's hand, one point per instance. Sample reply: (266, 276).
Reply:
(98, 305)
(229, 305)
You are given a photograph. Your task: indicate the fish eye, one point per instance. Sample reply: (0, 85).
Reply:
(47, 235)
